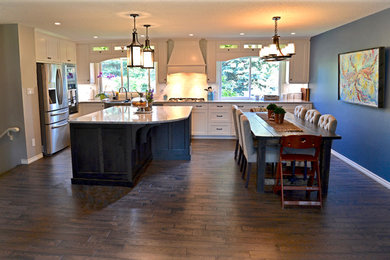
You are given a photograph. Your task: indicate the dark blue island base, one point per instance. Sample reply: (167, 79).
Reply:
(115, 154)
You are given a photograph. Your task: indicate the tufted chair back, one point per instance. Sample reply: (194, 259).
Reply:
(328, 122)
(312, 116)
(300, 111)
(234, 110)
(238, 120)
(258, 109)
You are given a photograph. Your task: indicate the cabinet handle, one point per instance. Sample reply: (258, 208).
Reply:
(240, 106)
(219, 106)
(68, 60)
(219, 129)
(198, 106)
(219, 116)
(49, 58)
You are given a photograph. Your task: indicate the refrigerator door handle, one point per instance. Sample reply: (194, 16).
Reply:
(58, 126)
(59, 87)
(58, 114)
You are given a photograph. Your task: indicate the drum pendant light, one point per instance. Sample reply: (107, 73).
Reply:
(148, 52)
(274, 52)
(134, 50)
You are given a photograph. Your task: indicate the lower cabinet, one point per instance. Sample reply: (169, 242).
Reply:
(199, 119)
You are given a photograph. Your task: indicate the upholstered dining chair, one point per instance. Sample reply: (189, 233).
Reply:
(312, 116)
(234, 110)
(239, 135)
(250, 151)
(328, 122)
(300, 111)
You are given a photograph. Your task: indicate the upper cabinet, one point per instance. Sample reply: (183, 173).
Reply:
(162, 49)
(51, 49)
(46, 48)
(211, 62)
(68, 51)
(299, 63)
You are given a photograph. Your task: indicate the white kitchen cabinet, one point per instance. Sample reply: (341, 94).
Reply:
(83, 64)
(199, 119)
(68, 51)
(220, 119)
(90, 107)
(211, 62)
(162, 61)
(46, 48)
(298, 69)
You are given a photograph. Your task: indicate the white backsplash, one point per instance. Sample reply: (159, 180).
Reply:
(184, 85)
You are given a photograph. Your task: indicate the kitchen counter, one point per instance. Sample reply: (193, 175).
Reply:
(115, 145)
(236, 101)
(128, 115)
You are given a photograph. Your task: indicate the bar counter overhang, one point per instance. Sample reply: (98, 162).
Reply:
(112, 146)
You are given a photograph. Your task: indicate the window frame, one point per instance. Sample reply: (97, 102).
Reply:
(282, 68)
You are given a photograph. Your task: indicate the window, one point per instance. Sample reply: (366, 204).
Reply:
(115, 74)
(249, 76)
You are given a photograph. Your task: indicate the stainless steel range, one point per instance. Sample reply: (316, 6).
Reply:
(186, 100)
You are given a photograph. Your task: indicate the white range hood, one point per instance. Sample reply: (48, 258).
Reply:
(186, 57)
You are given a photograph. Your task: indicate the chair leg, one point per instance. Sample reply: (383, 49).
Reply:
(281, 187)
(277, 182)
(248, 174)
(319, 196)
(239, 156)
(243, 171)
(236, 150)
(243, 162)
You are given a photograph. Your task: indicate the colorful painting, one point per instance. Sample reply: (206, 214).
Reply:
(361, 77)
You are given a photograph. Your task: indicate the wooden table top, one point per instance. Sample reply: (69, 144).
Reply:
(261, 129)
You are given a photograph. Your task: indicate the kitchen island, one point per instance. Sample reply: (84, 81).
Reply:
(112, 146)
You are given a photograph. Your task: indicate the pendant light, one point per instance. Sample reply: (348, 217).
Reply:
(274, 52)
(134, 50)
(148, 52)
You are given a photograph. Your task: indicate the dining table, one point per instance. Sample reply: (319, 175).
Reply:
(267, 135)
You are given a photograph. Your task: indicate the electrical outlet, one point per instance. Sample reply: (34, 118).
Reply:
(33, 142)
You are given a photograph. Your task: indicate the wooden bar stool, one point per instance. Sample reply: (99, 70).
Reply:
(300, 148)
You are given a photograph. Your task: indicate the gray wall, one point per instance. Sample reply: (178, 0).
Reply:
(364, 130)
(11, 103)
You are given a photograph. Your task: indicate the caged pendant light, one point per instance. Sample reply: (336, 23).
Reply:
(134, 50)
(148, 52)
(274, 52)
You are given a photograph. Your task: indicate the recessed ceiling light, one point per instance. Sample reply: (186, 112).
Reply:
(142, 35)
(191, 34)
(95, 37)
(57, 23)
(293, 33)
(242, 34)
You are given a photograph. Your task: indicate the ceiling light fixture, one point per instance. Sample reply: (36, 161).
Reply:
(148, 52)
(57, 23)
(293, 33)
(242, 34)
(274, 52)
(95, 37)
(191, 34)
(134, 50)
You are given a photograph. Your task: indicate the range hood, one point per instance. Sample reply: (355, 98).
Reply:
(186, 57)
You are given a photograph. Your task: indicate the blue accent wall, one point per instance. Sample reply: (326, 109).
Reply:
(365, 130)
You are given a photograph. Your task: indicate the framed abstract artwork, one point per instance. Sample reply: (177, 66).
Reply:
(362, 77)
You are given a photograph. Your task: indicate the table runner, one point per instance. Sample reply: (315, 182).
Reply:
(285, 127)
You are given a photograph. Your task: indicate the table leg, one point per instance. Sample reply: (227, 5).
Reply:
(260, 164)
(325, 164)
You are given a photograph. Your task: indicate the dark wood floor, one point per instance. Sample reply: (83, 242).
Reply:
(186, 209)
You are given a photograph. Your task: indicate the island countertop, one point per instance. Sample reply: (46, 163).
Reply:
(129, 115)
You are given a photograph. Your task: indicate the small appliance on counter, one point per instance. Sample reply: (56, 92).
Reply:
(71, 84)
(271, 97)
(53, 106)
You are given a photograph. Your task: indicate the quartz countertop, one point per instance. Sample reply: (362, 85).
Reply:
(250, 101)
(129, 115)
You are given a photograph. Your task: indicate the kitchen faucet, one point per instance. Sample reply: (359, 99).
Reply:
(119, 91)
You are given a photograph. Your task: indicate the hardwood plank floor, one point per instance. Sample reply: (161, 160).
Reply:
(196, 209)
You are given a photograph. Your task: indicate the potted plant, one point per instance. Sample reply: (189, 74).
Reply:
(279, 115)
(271, 107)
(101, 95)
(149, 98)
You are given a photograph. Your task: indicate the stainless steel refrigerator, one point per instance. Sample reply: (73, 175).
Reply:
(53, 105)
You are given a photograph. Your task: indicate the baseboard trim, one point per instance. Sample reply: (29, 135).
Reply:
(32, 159)
(213, 137)
(363, 170)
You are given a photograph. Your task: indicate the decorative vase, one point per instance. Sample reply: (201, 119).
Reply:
(149, 107)
(270, 114)
(279, 118)
(140, 102)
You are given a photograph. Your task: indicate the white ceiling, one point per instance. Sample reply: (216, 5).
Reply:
(83, 19)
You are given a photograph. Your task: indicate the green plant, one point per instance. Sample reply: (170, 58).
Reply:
(279, 110)
(101, 95)
(272, 106)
